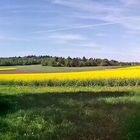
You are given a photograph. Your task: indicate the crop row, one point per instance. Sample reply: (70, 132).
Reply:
(115, 77)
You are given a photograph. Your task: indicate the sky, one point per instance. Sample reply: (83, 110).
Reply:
(92, 28)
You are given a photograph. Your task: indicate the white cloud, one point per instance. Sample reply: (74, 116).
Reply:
(65, 38)
(130, 2)
(121, 14)
(12, 38)
(87, 45)
(86, 5)
(132, 32)
(74, 27)
(102, 34)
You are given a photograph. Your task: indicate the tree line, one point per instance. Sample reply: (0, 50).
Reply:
(61, 61)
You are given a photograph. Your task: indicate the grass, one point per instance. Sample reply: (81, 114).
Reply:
(49, 69)
(65, 113)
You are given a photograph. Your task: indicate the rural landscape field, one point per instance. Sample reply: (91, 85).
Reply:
(69, 69)
(98, 104)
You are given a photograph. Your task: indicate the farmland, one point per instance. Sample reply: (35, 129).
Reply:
(49, 69)
(7, 69)
(81, 104)
(112, 77)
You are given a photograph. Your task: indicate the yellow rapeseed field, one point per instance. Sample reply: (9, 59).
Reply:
(120, 73)
(7, 69)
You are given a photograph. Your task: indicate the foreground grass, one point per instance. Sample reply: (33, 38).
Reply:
(65, 113)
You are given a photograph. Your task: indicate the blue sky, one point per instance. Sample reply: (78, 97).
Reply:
(91, 28)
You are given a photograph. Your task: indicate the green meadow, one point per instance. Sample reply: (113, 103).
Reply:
(66, 113)
(50, 69)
